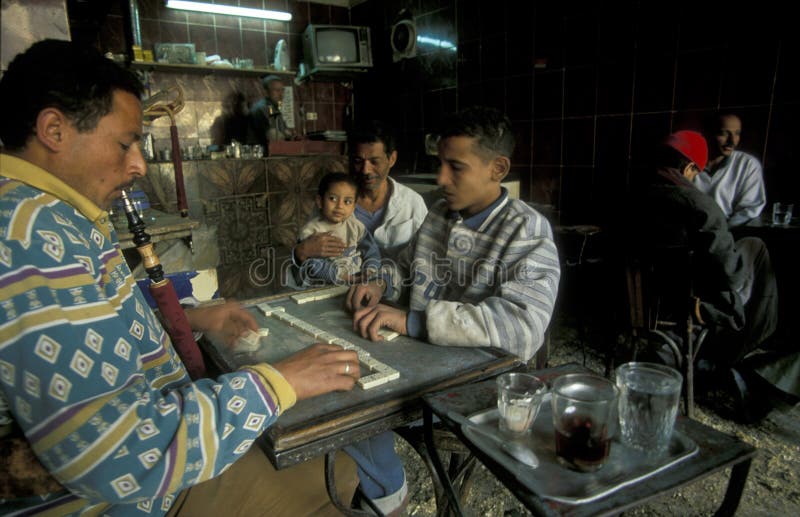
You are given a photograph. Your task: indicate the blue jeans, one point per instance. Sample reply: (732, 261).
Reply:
(380, 469)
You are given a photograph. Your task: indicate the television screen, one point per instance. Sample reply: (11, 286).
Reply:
(336, 51)
(337, 46)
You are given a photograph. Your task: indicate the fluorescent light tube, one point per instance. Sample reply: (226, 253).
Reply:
(230, 9)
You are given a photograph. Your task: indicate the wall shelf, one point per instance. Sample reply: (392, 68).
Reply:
(207, 70)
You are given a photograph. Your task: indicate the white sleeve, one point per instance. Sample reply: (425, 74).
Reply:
(751, 197)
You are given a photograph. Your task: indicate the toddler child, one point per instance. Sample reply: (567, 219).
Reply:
(336, 201)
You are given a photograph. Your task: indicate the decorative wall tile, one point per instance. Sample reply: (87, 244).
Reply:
(243, 226)
(220, 178)
(286, 235)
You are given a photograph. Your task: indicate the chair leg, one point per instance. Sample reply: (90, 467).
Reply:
(689, 369)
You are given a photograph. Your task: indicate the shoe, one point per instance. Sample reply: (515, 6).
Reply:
(392, 505)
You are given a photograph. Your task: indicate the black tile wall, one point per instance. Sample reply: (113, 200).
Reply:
(592, 90)
(587, 87)
(579, 91)
(547, 142)
(614, 86)
(548, 94)
(579, 142)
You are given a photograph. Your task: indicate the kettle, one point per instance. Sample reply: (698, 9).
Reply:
(281, 61)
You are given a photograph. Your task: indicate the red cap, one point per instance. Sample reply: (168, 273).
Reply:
(692, 145)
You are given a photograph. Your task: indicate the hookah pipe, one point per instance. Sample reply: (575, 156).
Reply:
(155, 107)
(163, 292)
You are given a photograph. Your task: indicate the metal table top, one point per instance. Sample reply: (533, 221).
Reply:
(328, 422)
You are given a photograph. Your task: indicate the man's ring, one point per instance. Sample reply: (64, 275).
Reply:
(346, 368)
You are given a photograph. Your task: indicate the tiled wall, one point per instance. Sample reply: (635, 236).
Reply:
(249, 213)
(590, 87)
(208, 97)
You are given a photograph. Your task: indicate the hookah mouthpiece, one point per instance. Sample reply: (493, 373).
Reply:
(127, 204)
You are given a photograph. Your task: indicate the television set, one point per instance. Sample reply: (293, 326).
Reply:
(336, 50)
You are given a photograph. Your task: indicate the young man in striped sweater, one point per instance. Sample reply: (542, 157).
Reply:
(483, 269)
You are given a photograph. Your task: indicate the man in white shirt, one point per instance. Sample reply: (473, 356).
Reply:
(392, 213)
(733, 178)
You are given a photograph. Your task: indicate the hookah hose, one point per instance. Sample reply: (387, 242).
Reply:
(176, 323)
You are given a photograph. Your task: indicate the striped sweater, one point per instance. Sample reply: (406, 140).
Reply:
(90, 374)
(490, 286)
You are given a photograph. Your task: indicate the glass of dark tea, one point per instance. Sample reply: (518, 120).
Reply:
(583, 419)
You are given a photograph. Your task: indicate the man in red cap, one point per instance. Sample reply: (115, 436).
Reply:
(734, 280)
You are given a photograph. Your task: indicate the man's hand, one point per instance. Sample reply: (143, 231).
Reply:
(370, 320)
(227, 321)
(319, 369)
(364, 295)
(319, 245)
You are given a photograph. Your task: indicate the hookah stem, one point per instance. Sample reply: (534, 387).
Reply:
(164, 293)
(142, 240)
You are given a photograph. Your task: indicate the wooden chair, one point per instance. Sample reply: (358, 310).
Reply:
(664, 309)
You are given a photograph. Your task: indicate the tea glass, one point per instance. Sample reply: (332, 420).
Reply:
(583, 418)
(519, 396)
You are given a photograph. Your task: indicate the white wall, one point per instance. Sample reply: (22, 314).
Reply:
(24, 22)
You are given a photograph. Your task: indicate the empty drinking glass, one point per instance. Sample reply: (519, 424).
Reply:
(782, 213)
(649, 394)
(519, 396)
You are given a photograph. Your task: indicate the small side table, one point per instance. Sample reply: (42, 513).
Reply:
(160, 226)
(717, 451)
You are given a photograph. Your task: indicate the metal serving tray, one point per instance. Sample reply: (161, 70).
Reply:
(552, 480)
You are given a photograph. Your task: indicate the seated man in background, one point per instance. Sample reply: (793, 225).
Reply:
(733, 178)
(105, 417)
(734, 280)
(483, 269)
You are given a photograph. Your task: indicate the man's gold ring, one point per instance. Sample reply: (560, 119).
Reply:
(346, 368)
